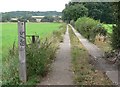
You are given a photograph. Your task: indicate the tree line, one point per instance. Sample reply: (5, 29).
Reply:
(104, 12)
(27, 15)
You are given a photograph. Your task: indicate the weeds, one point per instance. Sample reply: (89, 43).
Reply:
(38, 60)
(84, 72)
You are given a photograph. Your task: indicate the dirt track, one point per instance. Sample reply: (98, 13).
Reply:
(61, 73)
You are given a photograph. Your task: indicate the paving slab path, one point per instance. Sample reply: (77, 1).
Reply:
(97, 54)
(61, 73)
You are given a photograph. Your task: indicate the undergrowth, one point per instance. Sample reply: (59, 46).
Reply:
(38, 61)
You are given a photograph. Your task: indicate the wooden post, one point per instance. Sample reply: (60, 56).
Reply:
(33, 39)
(22, 53)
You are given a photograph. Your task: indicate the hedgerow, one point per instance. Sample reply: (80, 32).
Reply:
(89, 28)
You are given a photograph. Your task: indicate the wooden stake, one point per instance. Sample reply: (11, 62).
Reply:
(22, 52)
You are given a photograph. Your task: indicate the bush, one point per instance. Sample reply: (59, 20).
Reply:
(89, 28)
(39, 59)
(47, 19)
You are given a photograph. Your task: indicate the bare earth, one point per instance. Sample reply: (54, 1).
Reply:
(94, 51)
(61, 73)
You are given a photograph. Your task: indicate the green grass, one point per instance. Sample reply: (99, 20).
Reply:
(10, 32)
(108, 27)
(38, 60)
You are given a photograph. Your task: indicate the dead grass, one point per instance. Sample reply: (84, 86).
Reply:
(105, 46)
(84, 72)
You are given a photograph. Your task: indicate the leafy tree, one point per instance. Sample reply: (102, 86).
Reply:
(47, 19)
(116, 30)
(102, 11)
(5, 18)
(73, 12)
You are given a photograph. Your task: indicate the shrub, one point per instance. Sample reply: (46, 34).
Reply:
(89, 28)
(38, 61)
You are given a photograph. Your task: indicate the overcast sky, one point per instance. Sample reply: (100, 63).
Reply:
(32, 5)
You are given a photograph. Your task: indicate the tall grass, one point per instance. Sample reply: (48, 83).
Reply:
(38, 60)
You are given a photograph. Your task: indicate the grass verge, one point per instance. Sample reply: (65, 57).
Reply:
(104, 46)
(84, 72)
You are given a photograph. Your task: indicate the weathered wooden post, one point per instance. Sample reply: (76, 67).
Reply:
(22, 52)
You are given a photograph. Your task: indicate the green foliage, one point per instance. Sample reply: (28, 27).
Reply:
(73, 12)
(116, 37)
(47, 19)
(10, 31)
(10, 71)
(102, 11)
(59, 34)
(109, 28)
(89, 28)
(39, 59)
(26, 15)
(116, 29)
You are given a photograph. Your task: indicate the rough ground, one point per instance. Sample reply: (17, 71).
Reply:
(94, 51)
(61, 73)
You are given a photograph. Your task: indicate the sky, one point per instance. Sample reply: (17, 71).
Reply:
(32, 5)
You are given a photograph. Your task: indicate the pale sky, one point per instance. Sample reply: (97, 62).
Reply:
(32, 5)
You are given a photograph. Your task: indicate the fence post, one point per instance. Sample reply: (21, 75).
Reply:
(22, 52)
(33, 39)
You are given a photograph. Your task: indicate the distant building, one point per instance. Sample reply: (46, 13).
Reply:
(14, 19)
(38, 18)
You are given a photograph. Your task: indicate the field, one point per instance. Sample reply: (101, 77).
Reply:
(10, 32)
(108, 27)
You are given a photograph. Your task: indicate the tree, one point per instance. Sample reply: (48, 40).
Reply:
(5, 18)
(116, 30)
(102, 11)
(73, 12)
(47, 19)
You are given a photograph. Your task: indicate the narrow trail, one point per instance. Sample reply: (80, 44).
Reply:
(61, 73)
(97, 54)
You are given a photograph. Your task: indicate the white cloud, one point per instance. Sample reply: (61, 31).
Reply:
(32, 5)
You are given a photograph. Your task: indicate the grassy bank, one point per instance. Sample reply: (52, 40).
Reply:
(38, 60)
(84, 72)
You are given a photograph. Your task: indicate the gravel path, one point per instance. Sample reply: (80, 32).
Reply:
(97, 54)
(61, 73)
